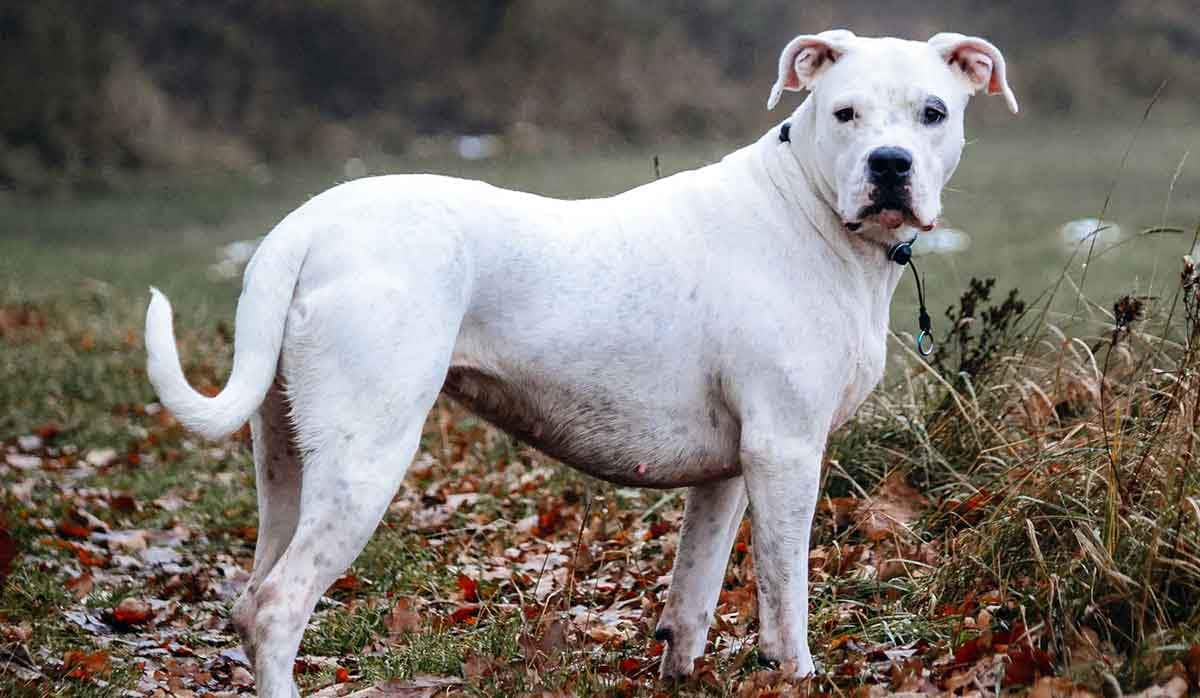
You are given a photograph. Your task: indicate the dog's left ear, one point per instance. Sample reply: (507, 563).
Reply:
(978, 61)
(805, 58)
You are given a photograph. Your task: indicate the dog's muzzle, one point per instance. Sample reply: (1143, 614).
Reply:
(889, 170)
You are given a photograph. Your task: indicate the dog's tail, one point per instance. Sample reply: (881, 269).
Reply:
(267, 289)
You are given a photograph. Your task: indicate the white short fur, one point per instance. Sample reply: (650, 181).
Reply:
(708, 330)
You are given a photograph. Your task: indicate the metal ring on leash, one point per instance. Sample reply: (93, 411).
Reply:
(921, 343)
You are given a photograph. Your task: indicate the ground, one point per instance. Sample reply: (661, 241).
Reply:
(1021, 515)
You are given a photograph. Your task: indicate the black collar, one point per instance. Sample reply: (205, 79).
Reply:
(901, 252)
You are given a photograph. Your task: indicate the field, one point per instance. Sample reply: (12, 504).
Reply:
(1024, 514)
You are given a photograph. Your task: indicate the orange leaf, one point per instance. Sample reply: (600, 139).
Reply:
(80, 586)
(81, 665)
(348, 582)
(469, 588)
(132, 611)
(464, 613)
(73, 529)
(89, 558)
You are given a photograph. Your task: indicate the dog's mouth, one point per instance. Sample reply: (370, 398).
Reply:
(887, 215)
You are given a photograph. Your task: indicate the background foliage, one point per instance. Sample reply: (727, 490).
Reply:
(93, 88)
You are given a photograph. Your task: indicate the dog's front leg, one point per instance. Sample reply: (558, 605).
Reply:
(782, 477)
(710, 523)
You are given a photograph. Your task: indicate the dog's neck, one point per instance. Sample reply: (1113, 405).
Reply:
(788, 165)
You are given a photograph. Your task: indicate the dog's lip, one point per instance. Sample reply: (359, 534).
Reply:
(872, 213)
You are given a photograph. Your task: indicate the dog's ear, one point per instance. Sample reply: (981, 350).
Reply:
(805, 57)
(978, 61)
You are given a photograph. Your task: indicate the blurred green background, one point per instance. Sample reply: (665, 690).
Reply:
(137, 137)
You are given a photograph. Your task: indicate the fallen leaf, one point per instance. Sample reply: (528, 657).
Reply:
(82, 665)
(132, 612)
(348, 582)
(240, 676)
(8, 553)
(477, 666)
(464, 614)
(1026, 664)
(1177, 687)
(80, 586)
(18, 633)
(71, 528)
(469, 588)
(890, 509)
(402, 619)
(416, 687)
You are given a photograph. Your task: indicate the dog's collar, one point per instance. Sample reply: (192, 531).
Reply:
(901, 252)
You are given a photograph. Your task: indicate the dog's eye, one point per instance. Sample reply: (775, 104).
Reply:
(844, 114)
(935, 112)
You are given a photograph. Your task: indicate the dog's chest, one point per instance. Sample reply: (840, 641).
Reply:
(634, 440)
(866, 354)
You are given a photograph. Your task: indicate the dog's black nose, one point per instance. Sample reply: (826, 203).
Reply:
(889, 165)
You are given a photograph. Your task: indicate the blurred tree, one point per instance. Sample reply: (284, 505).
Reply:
(92, 87)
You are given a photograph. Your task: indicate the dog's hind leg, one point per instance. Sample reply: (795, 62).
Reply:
(277, 481)
(710, 523)
(359, 408)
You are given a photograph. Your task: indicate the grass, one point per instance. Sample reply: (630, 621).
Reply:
(1061, 493)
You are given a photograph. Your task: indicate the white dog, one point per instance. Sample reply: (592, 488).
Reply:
(706, 330)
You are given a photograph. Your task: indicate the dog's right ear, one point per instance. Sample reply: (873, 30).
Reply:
(805, 57)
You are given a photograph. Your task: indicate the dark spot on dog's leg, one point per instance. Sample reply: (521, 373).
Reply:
(665, 635)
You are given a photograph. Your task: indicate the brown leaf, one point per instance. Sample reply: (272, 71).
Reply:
(469, 588)
(1026, 664)
(8, 553)
(69, 527)
(894, 505)
(80, 586)
(132, 612)
(18, 633)
(477, 666)
(82, 665)
(1052, 687)
(464, 614)
(402, 619)
(548, 641)
(1177, 687)
(416, 687)
(240, 676)
(348, 582)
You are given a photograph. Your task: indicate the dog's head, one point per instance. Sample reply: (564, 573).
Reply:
(883, 125)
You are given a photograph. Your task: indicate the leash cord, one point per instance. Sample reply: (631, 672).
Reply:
(925, 340)
(901, 253)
